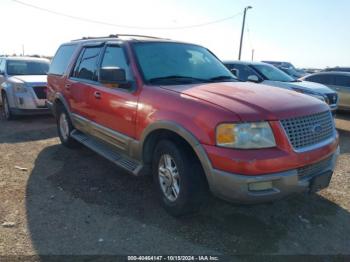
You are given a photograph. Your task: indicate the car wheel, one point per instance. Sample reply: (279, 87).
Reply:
(6, 108)
(178, 178)
(65, 128)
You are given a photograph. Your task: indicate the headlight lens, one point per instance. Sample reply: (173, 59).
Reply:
(20, 88)
(245, 135)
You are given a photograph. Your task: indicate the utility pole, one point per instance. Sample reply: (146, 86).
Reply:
(22, 50)
(253, 54)
(240, 45)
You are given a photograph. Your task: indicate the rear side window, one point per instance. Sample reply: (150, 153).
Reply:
(342, 81)
(61, 60)
(86, 66)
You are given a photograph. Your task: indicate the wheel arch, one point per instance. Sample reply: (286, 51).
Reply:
(60, 100)
(173, 131)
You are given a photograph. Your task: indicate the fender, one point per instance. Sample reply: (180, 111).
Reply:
(60, 97)
(7, 88)
(182, 132)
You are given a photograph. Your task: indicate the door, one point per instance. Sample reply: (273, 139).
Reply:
(115, 106)
(78, 87)
(342, 86)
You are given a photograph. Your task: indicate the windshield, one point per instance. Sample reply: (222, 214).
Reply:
(272, 73)
(21, 67)
(177, 63)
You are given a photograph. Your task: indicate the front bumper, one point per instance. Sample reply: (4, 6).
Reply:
(236, 188)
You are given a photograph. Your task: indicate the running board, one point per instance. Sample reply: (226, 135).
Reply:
(121, 160)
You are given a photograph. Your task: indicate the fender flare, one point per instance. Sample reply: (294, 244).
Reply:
(186, 135)
(61, 98)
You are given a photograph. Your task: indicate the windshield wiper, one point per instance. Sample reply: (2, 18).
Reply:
(177, 78)
(218, 78)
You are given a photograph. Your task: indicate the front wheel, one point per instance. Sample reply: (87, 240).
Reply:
(6, 108)
(178, 178)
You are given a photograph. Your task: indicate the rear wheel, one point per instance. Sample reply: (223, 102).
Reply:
(6, 108)
(65, 127)
(178, 178)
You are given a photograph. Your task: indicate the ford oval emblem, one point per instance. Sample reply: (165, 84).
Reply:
(316, 129)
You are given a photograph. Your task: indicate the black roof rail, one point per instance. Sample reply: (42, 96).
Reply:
(144, 36)
(116, 36)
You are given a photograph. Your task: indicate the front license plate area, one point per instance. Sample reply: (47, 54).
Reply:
(321, 181)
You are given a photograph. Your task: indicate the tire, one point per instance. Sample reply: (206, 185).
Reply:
(6, 112)
(65, 127)
(180, 183)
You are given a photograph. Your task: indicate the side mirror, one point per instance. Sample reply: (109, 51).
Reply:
(112, 75)
(253, 78)
(234, 71)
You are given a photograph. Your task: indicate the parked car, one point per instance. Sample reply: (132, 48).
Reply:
(338, 81)
(23, 86)
(337, 69)
(173, 110)
(288, 68)
(269, 75)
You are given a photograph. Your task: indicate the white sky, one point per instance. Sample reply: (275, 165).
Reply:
(41, 32)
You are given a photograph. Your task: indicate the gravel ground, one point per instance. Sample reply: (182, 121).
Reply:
(56, 201)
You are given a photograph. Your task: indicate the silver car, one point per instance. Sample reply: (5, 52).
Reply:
(336, 80)
(269, 75)
(23, 86)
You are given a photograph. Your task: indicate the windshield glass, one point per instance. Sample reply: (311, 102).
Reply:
(272, 73)
(21, 67)
(176, 63)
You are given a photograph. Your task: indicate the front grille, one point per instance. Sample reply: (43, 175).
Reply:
(332, 98)
(40, 91)
(309, 130)
(315, 169)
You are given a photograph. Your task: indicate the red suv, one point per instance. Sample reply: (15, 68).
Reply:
(172, 109)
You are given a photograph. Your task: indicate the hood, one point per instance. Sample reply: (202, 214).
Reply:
(303, 85)
(253, 102)
(29, 78)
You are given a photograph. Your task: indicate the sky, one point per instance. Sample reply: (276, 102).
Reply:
(308, 33)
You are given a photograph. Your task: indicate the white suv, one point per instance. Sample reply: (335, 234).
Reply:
(23, 85)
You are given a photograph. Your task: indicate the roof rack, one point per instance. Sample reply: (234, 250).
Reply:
(116, 36)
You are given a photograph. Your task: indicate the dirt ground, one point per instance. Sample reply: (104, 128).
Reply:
(57, 201)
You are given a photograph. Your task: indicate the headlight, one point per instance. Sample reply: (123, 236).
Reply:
(20, 88)
(245, 135)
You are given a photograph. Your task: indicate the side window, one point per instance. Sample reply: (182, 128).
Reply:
(311, 78)
(61, 60)
(2, 65)
(342, 81)
(242, 71)
(322, 79)
(86, 66)
(114, 56)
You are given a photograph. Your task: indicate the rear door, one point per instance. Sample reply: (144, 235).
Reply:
(78, 86)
